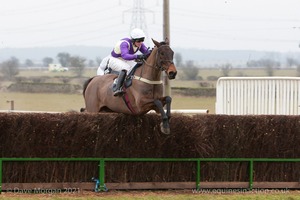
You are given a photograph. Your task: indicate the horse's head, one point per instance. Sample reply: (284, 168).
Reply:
(164, 59)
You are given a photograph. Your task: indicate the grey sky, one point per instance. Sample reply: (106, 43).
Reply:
(272, 25)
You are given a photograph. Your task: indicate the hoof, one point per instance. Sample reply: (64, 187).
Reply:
(165, 131)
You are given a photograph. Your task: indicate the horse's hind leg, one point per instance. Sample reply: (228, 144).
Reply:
(93, 107)
(92, 104)
(164, 126)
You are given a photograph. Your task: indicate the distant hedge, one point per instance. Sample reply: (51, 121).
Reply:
(40, 87)
(208, 92)
(44, 87)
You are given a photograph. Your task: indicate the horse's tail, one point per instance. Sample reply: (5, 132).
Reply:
(86, 83)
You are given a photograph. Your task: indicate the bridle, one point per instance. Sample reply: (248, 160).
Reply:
(158, 62)
(158, 65)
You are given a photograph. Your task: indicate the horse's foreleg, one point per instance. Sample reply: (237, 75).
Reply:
(165, 128)
(168, 105)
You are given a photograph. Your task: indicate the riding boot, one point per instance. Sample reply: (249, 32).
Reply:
(118, 90)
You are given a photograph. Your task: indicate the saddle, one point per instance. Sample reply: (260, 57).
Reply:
(109, 70)
(128, 79)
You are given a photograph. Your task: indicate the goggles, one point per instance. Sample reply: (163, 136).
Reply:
(140, 40)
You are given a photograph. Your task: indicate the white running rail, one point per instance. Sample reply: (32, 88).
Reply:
(258, 96)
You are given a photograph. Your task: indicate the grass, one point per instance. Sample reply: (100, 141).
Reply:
(73, 102)
(183, 102)
(41, 101)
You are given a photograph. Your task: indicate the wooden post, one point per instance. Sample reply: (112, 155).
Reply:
(166, 34)
(12, 104)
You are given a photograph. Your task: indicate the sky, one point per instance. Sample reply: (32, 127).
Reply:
(263, 25)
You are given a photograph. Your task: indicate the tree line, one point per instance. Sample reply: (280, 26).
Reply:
(11, 67)
(190, 70)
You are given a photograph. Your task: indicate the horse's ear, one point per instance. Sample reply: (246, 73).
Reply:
(155, 42)
(167, 41)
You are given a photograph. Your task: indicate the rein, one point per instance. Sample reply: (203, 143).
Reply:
(153, 66)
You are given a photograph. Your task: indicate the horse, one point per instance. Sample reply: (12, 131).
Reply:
(143, 89)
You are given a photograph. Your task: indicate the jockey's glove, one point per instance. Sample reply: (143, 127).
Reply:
(141, 57)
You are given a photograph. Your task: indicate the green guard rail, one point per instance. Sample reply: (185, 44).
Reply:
(198, 161)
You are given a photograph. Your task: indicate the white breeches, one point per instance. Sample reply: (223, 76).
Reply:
(116, 64)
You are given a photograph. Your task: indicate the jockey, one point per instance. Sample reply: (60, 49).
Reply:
(123, 57)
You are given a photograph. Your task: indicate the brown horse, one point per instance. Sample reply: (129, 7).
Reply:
(145, 92)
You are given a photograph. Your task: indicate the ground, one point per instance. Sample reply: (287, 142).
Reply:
(166, 194)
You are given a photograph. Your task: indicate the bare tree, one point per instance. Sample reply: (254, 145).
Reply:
(47, 61)
(78, 63)
(10, 68)
(29, 63)
(64, 59)
(291, 61)
(226, 69)
(91, 63)
(190, 71)
(269, 65)
(253, 63)
(98, 61)
(178, 59)
(298, 70)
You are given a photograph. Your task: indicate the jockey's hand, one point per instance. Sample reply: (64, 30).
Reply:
(141, 57)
